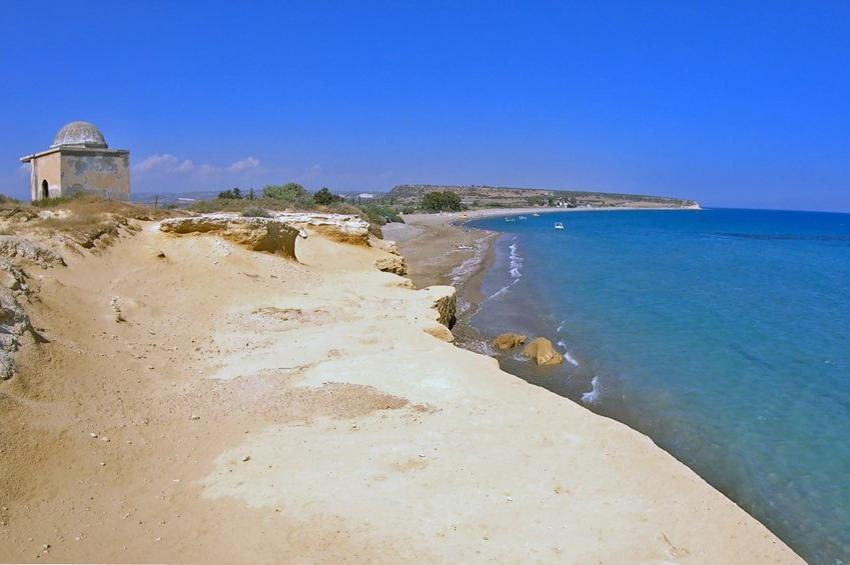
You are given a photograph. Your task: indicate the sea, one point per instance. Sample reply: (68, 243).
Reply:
(722, 334)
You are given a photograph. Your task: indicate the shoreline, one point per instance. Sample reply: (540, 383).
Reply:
(314, 404)
(470, 293)
(424, 238)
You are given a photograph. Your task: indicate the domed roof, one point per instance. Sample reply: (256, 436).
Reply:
(79, 134)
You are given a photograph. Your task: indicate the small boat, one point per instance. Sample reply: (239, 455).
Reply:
(559, 226)
(535, 214)
(523, 218)
(509, 219)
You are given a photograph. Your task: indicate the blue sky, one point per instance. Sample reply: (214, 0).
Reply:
(732, 103)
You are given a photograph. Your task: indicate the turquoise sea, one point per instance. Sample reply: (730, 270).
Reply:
(722, 334)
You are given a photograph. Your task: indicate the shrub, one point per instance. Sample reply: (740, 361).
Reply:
(288, 191)
(442, 200)
(256, 213)
(232, 194)
(325, 197)
(380, 214)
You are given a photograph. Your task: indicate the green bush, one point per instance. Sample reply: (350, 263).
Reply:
(256, 213)
(442, 201)
(380, 214)
(241, 205)
(232, 194)
(325, 197)
(288, 191)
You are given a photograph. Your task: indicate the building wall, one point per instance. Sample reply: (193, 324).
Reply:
(46, 168)
(104, 173)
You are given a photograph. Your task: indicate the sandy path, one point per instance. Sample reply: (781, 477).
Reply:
(258, 409)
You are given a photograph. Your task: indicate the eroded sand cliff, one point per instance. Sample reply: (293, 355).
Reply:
(194, 400)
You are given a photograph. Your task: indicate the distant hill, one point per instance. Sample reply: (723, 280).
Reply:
(511, 197)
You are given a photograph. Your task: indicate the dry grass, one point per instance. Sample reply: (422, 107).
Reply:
(83, 219)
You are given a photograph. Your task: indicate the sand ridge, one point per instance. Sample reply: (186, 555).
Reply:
(252, 408)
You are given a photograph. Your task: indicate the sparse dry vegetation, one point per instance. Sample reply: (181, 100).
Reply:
(85, 220)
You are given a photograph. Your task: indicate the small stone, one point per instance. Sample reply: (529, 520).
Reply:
(92, 434)
(246, 458)
(194, 417)
(102, 464)
(45, 547)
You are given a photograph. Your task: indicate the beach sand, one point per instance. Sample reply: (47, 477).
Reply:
(252, 408)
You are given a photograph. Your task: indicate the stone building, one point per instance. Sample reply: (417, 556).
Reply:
(79, 161)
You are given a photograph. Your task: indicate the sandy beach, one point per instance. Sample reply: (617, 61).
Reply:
(192, 399)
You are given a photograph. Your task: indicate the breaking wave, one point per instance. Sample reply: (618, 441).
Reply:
(592, 396)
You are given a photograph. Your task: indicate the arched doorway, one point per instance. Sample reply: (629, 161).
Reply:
(45, 193)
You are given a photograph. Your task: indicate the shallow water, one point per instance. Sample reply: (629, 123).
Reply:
(722, 334)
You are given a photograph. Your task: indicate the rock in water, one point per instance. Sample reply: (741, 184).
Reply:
(508, 340)
(541, 351)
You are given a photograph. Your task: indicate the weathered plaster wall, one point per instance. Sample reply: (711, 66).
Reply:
(47, 167)
(106, 174)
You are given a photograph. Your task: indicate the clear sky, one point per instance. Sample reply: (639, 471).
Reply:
(732, 103)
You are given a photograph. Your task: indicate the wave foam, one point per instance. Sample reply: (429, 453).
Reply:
(567, 355)
(592, 397)
(500, 292)
(516, 261)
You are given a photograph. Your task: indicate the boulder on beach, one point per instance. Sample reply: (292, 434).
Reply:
(541, 351)
(508, 340)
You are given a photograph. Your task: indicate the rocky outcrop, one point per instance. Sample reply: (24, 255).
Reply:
(445, 304)
(385, 245)
(345, 228)
(22, 249)
(392, 264)
(260, 234)
(14, 321)
(441, 332)
(540, 351)
(508, 341)
(276, 234)
(101, 234)
(442, 303)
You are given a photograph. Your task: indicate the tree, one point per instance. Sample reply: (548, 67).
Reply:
(325, 197)
(287, 191)
(232, 194)
(251, 194)
(442, 200)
